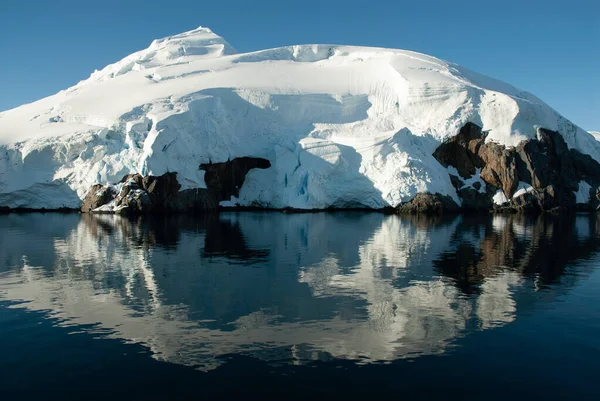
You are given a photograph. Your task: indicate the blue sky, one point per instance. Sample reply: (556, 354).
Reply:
(550, 48)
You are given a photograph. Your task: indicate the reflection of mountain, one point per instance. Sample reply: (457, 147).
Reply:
(282, 287)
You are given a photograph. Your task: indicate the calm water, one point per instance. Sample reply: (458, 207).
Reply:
(301, 306)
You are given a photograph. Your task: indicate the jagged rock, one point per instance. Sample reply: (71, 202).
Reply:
(133, 179)
(96, 197)
(134, 201)
(226, 179)
(427, 203)
(163, 191)
(132, 198)
(547, 164)
(536, 200)
(161, 194)
(474, 200)
(548, 161)
(461, 151)
(468, 152)
(500, 169)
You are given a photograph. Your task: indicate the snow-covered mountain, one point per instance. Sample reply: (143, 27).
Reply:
(341, 125)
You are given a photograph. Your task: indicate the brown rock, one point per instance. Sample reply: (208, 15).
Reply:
(474, 200)
(427, 203)
(163, 191)
(500, 167)
(97, 196)
(460, 151)
(135, 179)
(546, 163)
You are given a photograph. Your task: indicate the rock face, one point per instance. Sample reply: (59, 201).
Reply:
(429, 204)
(541, 174)
(136, 194)
(96, 197)
(226, 179)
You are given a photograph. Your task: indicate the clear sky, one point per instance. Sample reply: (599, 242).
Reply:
(550, 48)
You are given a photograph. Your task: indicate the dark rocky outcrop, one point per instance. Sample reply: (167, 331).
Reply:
(428, 204)
(134, 197)
(474, 200)
(161, 194)
(226, 179)
(197, 200)
(97, 196)
(546, 163)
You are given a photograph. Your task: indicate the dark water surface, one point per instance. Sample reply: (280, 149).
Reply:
(301, 306)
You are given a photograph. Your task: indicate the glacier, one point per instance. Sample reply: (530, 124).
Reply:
(343, 126)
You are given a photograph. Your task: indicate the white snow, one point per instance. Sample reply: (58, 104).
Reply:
(595, 134)
(468, 183)
(342, 125)
(583, 193)
(522, 189)
(500, 198)
(230, 203)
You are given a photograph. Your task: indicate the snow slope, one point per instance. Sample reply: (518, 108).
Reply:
(342, 126)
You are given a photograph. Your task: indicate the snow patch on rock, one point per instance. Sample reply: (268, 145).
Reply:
(522, 189)
(500, 198)
(582, 196)
(469, 182)
(230, 203)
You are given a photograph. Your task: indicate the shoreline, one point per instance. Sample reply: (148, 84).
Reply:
(386, 211)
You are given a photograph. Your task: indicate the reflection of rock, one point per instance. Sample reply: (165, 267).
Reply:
(225, 239)
(532, 247)
(364, 287)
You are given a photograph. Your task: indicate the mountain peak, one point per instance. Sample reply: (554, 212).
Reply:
(193, 39)
(197, 43)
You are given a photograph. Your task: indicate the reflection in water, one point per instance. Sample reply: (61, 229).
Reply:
(289, 288)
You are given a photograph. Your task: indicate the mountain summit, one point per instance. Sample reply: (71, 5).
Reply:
(340, 126)
(200, 43)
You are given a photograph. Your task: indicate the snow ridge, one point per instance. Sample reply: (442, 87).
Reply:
(198, 43)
